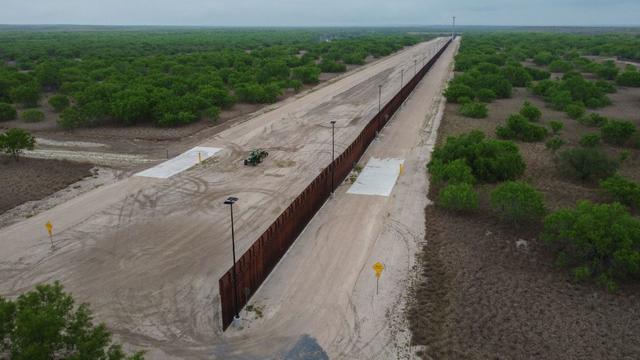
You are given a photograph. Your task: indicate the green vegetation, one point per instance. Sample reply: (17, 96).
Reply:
(172, 77)
(455, 172)
(587, 164)
(530, 112)
(476, 110)
(631, 77)
(556, 126)
(32, 115)
(554, 144)
(7, 112)
(593, 119)
(596, 241)
(622, 190)
(490, 160)
(458, 197)
(617, 132)
(59, 102)
(46, 324)
(517, 202)
(14, 141)
(590, 140)
(518, 127)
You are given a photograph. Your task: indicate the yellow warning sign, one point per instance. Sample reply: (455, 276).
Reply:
(49, 227)
(401, 168)
(378, 267)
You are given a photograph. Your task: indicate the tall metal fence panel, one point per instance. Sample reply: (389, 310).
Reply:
(253, 267)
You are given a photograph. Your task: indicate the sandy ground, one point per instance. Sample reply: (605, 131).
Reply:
(147, 253)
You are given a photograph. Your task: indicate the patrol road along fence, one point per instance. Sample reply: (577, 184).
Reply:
(256, 263)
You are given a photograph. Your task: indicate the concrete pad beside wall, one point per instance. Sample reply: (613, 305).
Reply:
(377, 178)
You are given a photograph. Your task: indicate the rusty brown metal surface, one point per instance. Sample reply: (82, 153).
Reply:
(253, 267)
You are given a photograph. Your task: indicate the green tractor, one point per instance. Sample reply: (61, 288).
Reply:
(255, 157)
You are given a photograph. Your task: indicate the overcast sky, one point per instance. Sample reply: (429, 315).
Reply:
(320, 12)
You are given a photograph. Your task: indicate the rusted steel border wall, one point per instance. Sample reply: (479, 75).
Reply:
(256, 263)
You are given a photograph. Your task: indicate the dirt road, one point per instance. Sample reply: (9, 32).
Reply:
(147, 253)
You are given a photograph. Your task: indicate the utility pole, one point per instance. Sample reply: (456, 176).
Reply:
(379, 98)
(333, 149)
(401, 79)
(453, 33)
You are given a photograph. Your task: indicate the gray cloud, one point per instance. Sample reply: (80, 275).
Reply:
(320, 13)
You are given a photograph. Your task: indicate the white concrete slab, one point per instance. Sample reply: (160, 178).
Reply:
(377, 178)
(179, 163)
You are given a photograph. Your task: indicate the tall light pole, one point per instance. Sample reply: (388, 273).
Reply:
(401, 79)
(415, 67)
(333, 157)
(379, 98)
(230, 201)
(453, 33)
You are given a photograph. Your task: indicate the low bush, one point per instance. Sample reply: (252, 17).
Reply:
(458, 197)
(475, 110)
(7, 112)
(575, 110)
(517, 202)
(587, 164)
(518, 127)
(556, 126)
(212, 113)
(593, 119)
(629, 78)
(617, 132)
(486, 95)
(59, 102)
(456, 91)
(590, 140)
(455, 172)
(622, 190)
(32, 115)
(530, 112)
(72, 118)
(490, 160)
(599, 241)
(554, 144)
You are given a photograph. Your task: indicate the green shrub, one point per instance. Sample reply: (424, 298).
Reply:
(177, 119)
(556, 126)
(593, 119)
(486, 95)
(14, 141)
(629, 78)
(72, 118)
(603, 238)
(590, 140)
(59, 102)
(517, 202)
(560, 66)
(606, 86)
(490, 160)
(617, 132)
(475, 110)
(456, 91)
(458, 197)
(530, 112)
(587, 164)
(455, 172)
(518, 127)
(32, 115)
(554, 144)
(575, 110)
(7, 112)
(212, 113)
(622, 190)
